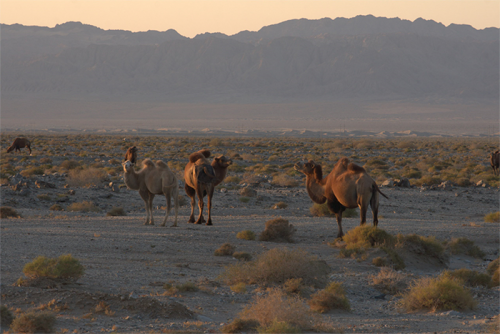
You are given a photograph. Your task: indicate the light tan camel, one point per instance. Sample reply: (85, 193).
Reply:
(18, 144)
(347, 186)
(495, 161)
(201, 177)
(131, 154)
(153, 179)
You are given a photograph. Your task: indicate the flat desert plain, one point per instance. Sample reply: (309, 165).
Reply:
(128, 264)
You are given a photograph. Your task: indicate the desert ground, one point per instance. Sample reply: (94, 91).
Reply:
(127, 264)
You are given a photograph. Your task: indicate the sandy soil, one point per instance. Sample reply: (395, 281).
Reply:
(127, 263)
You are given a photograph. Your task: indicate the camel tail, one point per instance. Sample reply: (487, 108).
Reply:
(378, 189)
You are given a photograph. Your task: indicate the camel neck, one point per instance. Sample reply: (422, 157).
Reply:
(315, 190)
(220, 174)
(131, 180)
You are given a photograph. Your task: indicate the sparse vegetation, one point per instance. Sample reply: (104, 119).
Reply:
(65, 267)
(86, 177)
(277, 266)
(34, 322)
(280, 205)
(242, 256)
(246, 235)
(469, 277)
(8, 212)
(465, 246)
(5, 316)
(225, 250)
(56, 207)
(492, 217)
(428, 246)
(330, 298)
(494, 271)
(84, 206)
(116, 211)
(278, 230)
(438, 294)
(389, 281)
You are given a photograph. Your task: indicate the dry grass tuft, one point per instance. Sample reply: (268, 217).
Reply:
(438, 294)
(225, 250)
(246, 235)
(494, 270)
(389, 281)
(7, 212)
(84, 206)
(469, 277)
(331, 298)
(34, 322)
(5, 316)
(239, 325)
(239, 288)
(242, 256)
(379, 262)
(284, 180)
(56, 207)
(492, 217)
(365, 236)
(465, 246)
(277, 266)
(397, 261)
(280, 205)
(428, 246)
(116, 211)
(65, 267)
(86, 177)
(278, 230)
(277, 306)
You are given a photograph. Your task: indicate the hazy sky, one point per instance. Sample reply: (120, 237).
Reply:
(191, 17)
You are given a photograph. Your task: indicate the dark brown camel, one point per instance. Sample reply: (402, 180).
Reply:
(18, 144)
(495, 161)
(201, 177)
(131, 154)
(347, 186)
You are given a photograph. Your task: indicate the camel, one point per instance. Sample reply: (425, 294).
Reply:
(347, 186)
(495, 161)
(153, 179)
(201, 177)
(18, 144)
(131, 154)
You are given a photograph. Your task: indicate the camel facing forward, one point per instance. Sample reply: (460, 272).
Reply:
(153, 179)
(201, 177)
(347, 186)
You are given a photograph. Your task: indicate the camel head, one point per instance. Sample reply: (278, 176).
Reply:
(306, 167)
(128, 166)
(10, 149)
(222, 161)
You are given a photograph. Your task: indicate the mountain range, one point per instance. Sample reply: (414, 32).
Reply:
(360, 57)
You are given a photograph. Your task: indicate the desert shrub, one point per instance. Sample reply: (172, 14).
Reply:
(239, 287)
(469, 277)
(276, 266)
(34, 322)
(284, 180)
(69, 164)
(279, 327)
(56, 207)
(366, 236)
(187, 287)
(492, 217)
(86, 177)
(437, 294)
(244, 199)
(225, 250)
(65, 266)
(277, 306)
(320, 210)
(84, 206)
(242, 256)
(246, 235)
(6, 212)
(352, 252)
(5, 316)
(493, 266)
(280, 205)
(379, 262)
(330, 298)
(33, 170)
(389, 281)
(495, 279)
(465, 246)
(43, 197)
(429, 246)
(232, 179)
(294, 285)
(116, 211)
(397, 261)
(278, 230)
(239, 325)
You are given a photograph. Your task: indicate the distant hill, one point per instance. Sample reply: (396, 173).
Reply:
(365, 56)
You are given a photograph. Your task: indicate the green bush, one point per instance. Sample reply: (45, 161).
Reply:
(65, 266)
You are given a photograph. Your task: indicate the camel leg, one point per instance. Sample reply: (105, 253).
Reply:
(176, 202)
(151, 219)
(374, 205)
(29, 148)
(145, 198)
(363, 208)
(191, 193)
(209, 206)
(338, 215)
(200, 206)
(167, 197)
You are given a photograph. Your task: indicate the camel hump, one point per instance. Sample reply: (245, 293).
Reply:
(355, 168)
(147, 163)
(203, 154)
(343, 164)
(161, 164)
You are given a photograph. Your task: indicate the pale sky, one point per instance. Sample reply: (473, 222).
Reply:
(192, 17)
